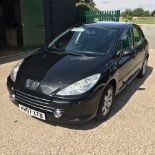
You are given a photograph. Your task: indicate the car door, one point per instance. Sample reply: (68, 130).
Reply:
(126, 63)
(139, 46)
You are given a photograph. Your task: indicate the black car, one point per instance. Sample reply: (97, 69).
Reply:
(75, 78)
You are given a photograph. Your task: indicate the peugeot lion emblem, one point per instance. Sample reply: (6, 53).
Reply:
(32, 85)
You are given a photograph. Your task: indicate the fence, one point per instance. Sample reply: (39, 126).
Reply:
(91, 16)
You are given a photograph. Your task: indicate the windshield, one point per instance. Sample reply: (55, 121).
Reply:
(92, 40)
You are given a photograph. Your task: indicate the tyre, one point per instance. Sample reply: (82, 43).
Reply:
(144, 69)
(105, 104)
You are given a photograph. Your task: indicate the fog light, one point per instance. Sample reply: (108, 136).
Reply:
(57, 113)
(12, 97)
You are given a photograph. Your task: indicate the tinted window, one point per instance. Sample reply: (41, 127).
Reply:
(98, 40)
(138, 37)
(127, 40)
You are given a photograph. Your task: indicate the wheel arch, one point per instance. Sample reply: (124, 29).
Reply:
(147, 56)
(114, 84)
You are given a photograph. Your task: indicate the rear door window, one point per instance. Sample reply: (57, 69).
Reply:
(138, 36)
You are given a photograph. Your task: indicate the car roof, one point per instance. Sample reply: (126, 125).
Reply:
(119, 25)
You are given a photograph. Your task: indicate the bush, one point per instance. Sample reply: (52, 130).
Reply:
(128, 18)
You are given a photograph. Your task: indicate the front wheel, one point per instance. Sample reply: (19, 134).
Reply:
(144, 69)
(105, 103)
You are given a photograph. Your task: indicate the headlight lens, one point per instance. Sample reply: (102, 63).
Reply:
(81, 86)
(14, 71)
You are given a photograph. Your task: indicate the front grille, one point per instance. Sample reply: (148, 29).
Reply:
(33, 101)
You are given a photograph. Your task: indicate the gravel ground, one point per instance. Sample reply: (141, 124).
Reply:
(129, 130)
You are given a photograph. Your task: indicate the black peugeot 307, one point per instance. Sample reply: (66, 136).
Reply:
(75, 78)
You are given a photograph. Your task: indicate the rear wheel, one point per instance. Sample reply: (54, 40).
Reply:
(144, 69)
(106, 102)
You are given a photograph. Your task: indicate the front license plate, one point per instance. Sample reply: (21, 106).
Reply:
(32, 112)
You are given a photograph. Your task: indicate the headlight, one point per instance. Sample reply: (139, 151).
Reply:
(81, 86)
(14, 71)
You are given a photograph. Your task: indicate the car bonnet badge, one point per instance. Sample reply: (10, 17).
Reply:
(31, 84)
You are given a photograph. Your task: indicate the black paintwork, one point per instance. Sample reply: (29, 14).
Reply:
(61, 70)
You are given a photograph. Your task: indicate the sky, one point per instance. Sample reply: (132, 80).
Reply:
(125, 4)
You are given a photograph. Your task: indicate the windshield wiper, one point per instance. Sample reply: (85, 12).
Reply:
(94, 53)
(55, 49)
(59, 51)
(75, 53)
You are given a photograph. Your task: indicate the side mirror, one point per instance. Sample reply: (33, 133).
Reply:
(128, 52)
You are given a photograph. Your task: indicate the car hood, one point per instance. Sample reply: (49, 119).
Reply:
(50, 67)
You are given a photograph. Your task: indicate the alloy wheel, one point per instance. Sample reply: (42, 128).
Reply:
(145, 66)
(108, 99)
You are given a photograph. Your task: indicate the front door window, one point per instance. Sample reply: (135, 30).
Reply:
(127, 40)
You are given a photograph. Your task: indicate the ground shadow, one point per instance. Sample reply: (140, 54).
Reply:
(120, 101)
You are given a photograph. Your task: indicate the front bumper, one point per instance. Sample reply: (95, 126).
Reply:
(74, 111)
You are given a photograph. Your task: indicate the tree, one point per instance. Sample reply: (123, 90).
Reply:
(127, 15)
(146, 14)
(85, 1)
(153, 13)
(127, 12)
(138, 12)
(85, 5)
(90, 2)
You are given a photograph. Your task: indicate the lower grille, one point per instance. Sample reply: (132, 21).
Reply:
(33, 101)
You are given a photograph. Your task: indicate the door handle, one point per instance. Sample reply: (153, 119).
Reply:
(134, 53)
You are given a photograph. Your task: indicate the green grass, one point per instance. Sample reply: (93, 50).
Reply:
(142, 20)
